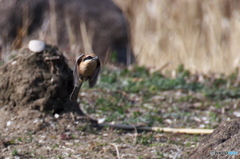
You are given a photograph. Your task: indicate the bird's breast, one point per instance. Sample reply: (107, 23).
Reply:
(87, 68)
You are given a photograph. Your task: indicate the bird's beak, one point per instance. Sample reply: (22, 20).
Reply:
(95, 58)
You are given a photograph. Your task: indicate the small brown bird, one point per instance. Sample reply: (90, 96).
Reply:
(87, 67)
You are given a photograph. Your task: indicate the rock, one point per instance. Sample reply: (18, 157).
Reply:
(36, 46)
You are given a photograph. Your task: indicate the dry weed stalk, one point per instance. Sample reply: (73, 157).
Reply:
(116, 148)
(53, 22)
(86, 38)
(72, 37)
(23, 30)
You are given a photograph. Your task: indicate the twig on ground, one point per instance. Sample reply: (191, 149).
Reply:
(135, 134)
(116, 147)
(172, 130)
(177, 154)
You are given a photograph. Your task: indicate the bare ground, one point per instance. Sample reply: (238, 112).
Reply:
(39, 121)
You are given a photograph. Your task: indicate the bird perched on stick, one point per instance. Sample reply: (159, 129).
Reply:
(87, 67)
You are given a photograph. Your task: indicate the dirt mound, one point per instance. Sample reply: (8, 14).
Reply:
(41, 81)
(224, 139)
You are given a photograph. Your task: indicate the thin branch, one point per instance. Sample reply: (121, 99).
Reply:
(171, 130)
(116, 147)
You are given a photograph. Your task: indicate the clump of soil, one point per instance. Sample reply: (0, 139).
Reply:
(224, 138)
(35, 109)
(41, 81)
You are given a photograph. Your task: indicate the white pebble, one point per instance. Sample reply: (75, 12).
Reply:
(237, 114)
(14, 62)
(9, 123)
(35, 121)
(36, 46)
(56, 116)
(105, 134)
(202, 126)
(101, 120)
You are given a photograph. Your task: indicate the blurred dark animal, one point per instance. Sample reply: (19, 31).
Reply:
(62, 23)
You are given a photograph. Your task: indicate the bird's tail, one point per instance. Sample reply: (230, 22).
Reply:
(74, 94)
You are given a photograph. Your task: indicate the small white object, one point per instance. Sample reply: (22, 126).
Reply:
(56, 116)
(14, 62)
(197, 119)
(101, 120)
(237, 114)
(105, 134)
(9, 123)
(35, 121)
(168, 121)
(202, 126)
(36, 46)
(206, 122)
(69, 143)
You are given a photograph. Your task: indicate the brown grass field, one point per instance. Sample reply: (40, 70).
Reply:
(201, 34)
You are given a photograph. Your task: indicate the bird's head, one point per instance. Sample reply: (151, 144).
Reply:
(90, 57)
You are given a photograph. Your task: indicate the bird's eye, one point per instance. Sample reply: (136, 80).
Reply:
(87, 58)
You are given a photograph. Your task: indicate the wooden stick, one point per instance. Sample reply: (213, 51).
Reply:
(171, 130)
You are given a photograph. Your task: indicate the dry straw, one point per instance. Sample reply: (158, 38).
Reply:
(201, 34)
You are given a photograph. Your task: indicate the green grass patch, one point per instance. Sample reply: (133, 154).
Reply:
(124, 94)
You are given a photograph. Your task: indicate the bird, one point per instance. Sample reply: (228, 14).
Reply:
(87, 68)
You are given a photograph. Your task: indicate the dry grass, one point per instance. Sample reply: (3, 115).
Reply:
(201, 34)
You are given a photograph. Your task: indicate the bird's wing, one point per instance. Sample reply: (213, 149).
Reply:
(77, 81)
(94, 77)
(76, 71)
